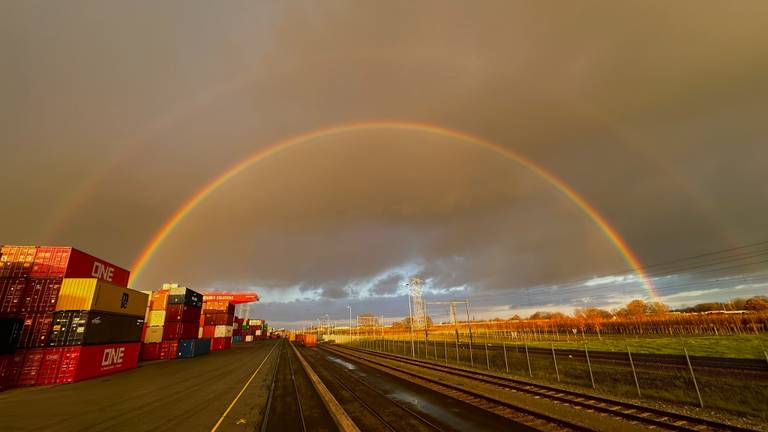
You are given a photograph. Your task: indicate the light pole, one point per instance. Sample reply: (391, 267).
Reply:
(350, 324)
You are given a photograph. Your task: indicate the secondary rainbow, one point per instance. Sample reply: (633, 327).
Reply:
(598, 219)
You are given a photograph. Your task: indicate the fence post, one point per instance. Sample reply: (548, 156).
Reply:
(693, 377)
(530, 371)
(457, 347)
(506, 364)
(589, 365)
(445, 347)
(554, 358)
(634, 374)
(487, 361)
(765, 353)
(434, 342)
(471, 355)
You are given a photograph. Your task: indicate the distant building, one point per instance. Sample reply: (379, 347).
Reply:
(367, 320)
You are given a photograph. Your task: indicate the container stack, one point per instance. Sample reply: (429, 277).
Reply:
(254, 330)
(96, 331)
(173, 323)
(216, 322)
(32, 299)
(153, 347)
(239, 328)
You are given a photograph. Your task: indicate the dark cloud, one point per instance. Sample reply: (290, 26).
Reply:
(387, 285)
(112, 116)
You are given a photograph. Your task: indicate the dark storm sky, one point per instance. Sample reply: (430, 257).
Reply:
(113, 113)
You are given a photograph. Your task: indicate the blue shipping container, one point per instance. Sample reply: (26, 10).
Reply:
(193, 347)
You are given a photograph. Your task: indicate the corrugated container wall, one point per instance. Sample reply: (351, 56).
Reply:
(93, 294)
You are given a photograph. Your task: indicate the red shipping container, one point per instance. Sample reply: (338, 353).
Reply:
(180, 330)
(150, 351)
(218, 306)
(159, 300)
(11, 293)
(84, 362)
(208, 331)
(182, 313)
(40, 295)
(36, 330)
(219, 318)
(49, 367)
(16, 261)
(221, 343)
(10, 368)
(168, 349)
(30, 369)
(55, 261)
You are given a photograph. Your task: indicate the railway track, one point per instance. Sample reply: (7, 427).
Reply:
(516, 413)
(631, 412)
(388, 414)
(292, 403)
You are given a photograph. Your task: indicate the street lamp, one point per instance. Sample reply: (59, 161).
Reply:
(350, 324)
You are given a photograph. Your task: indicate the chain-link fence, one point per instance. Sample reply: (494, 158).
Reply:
(726, 371)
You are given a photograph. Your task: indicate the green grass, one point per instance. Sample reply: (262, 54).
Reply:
(730, 346)
(751, 346)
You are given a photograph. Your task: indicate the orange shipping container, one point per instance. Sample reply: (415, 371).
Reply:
(159, 299)
(94, 294)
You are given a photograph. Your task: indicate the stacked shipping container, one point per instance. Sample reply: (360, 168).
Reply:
(64, 316)
(217, 322)
(172, 325)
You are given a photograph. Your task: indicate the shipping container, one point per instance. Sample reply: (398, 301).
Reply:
(153, 334)
(49, 366)
(255, 322)
(11, 292)
(40, 295)
(249, 338)
(208, 331)
(219, 319)
(156, 318)
(83, 362)
(94, 328)
(37, 328)
(168, 349)
(310, 340)
(181, 295)
(94, 294)
(67, 262)
(222, 331)
(150, 351)
(30, 367)
(179, 330)
(218, 306)
(182, 313)
(159, 300)
(16, 261)
(193, 348)
(221, 343)
(10, 369)
(10, 333)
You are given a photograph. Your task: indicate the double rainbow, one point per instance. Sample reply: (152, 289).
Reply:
(599, 220)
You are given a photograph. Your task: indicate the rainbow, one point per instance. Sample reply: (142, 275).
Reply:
(599, 220)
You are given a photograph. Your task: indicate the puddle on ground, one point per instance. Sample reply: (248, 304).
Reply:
(346, 364)
(448, 410)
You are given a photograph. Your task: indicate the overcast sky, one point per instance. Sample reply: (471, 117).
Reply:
(113, 113)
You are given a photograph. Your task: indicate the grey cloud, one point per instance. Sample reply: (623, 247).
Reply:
(653, 112)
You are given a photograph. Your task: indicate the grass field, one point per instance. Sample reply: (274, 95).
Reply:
(737, 346)
(752, 346)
